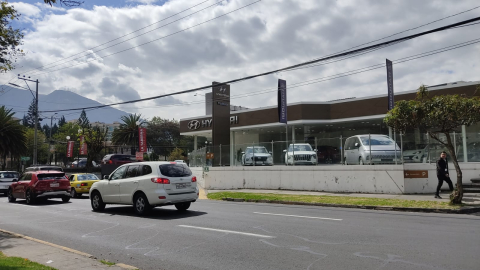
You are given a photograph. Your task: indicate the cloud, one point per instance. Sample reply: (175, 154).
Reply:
(262, 37)
(25, 9)
(147, 2)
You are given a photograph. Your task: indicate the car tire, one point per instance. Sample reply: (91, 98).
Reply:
(30, 197)
(65, 199)
(10, 196)
(141, 205)
(74, 193)
(97, 202)
(182, 206)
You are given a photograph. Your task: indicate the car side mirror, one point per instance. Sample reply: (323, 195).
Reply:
(357, 145)
(15, 180)
(105, 177)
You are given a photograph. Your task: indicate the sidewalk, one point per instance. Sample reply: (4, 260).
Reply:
(415, 197)
(61, 258)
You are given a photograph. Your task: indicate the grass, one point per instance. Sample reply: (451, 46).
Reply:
(345, 200)
(20, 263)
(107, 262)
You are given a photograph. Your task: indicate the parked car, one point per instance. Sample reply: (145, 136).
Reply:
(146, 185)
(300, 153)
(416, 155)
(382, 149)
(259, 153)
(6, 179)
(44, 168)
(112, 161)
(328, 154)
(82, 163)
(36, 185)
(81, 183)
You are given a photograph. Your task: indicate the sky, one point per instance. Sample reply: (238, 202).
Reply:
(252, 37)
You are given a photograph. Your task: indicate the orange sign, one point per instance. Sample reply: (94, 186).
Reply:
(209, 155)
(415, 174)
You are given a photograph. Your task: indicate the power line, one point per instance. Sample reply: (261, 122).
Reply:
(151, 41)
(357, 51)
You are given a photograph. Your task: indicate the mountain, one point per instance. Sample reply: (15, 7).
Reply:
(19, 100)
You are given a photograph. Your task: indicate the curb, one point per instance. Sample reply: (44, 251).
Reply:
(464, 210)
(17, 235)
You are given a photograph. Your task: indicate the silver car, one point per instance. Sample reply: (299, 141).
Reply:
(6, 179)
(382, 148)
(300, 153)
(258, 153)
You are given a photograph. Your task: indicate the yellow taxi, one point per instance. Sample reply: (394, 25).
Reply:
(81, 183)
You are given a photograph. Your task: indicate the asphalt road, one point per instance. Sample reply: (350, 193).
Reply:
(228, 235)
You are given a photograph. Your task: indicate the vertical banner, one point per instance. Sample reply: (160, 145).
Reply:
(391, 101)
(282, 101)
(70, 148)
(139, 156)
(142, 140)
(220, 124)
(83, 146)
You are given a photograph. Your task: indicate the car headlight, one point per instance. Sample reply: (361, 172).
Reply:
(289, 157)
(314, 156)
(269, 158)
(247, 159)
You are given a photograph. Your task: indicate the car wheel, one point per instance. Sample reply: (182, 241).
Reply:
(182, 206)
(141, 205)
(65, 199)
(74, 193)
(360, 161)
(30, 197)
(10, 195)
(97, 202)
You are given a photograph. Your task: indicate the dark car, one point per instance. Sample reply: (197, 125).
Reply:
(6, 179)
(82, 163)
(328, 154)
(43, 168)
(36, 185)
(113, 161)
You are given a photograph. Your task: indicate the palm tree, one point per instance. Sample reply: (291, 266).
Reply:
(12, 133)
(127, 133)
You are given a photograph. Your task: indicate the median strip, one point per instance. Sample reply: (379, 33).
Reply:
(226, 231)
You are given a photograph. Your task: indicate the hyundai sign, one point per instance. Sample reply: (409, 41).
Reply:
(391, 101)
(282, 101)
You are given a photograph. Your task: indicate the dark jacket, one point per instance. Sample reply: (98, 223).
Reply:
(442, 167)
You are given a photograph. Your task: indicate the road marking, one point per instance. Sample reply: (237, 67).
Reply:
(22, 205)
(337, 219)
(227, 231)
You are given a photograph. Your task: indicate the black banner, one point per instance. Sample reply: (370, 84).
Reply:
(282, 101)
(391, 101)
(221, 124)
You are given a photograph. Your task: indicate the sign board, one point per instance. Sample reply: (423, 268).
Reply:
(24, 158)
(70, 148)
(221, 124)
(209, 156)
(139, 156)
(416, 174)
(391, 101)
(83, 146)
(282, 101)
(142, 139)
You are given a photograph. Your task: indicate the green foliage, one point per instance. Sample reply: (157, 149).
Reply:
(13, 138)
(67, 129)
(62, 121)
(43, 149)
(29, 119)
(176, 154)
(20, 263)
(95, 139)
(68, 3)
(83, 121)
(127, 133)
(10, 38)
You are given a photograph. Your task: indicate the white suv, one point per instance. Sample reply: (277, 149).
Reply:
(146, 185)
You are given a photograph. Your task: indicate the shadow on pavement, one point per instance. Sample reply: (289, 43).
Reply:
(42, 202)
(156, 213)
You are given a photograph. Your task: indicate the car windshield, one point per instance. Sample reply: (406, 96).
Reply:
(51, 176)
(175, 170)
(300, 147)
(260, 150)
(377, 140)
(8, 175)
(82, 177)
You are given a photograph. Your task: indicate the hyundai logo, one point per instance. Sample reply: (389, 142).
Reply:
(194, 124)
(223, 89)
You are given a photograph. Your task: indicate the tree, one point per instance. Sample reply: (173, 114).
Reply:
(60, 138)
(30, 117)
(62, 121)
(54, 129)
(12, 134)
(43, 151)
(83, 121)
(163, 135)
(67, 3)
(176, 154)
(127, 132)
(95, 140)
(10, 38)
(440, 116)
(46, 130)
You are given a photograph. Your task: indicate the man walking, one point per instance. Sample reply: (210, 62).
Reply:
(442, 174)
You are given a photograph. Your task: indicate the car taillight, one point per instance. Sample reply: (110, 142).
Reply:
(84, 185)
(194, 179)
(110, 162)
(173, 162)
(160, 180)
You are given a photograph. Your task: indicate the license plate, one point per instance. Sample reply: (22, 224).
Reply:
(184, 185)
(54, 185)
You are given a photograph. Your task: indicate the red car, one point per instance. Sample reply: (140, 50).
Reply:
(38, 185)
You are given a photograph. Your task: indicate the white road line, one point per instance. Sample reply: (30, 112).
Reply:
(227, 231)
(337, 219)
(23, 205)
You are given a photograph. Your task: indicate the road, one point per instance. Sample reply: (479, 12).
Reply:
(228, 235)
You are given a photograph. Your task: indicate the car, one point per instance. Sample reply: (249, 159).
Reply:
(44, 168)
(300, 153)
(146, 185)
(36, 185)
(180, 161)
(259, 153)
(6, 179)
(416, 155)
(81, 183)
(82, 163)
(112, 161)
(328, 154)
(383, 150)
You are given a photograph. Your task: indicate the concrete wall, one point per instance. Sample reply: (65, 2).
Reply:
(360, 179)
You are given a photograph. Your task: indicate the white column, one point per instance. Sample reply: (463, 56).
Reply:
(464, 141)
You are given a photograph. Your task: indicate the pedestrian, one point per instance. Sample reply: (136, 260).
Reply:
(442, 174)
